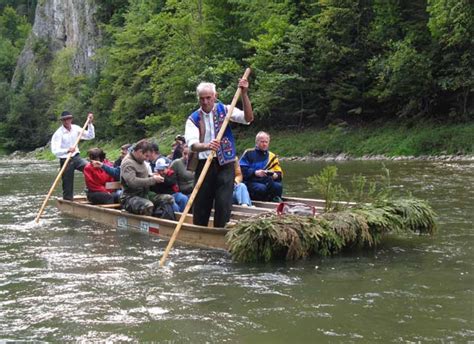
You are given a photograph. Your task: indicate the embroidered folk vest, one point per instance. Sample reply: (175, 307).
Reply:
(226, 152)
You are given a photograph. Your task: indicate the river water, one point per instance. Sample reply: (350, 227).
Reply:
(69, 279)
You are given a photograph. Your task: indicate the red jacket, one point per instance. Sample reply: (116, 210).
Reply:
(96, 178)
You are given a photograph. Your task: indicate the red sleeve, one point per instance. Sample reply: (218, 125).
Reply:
(96, 178)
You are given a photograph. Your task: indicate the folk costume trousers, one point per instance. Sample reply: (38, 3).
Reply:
(216, 190)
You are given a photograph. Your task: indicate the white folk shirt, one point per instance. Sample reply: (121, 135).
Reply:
(192, 132)
(64, 139)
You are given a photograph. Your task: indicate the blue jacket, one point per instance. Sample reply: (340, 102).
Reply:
(255, 159)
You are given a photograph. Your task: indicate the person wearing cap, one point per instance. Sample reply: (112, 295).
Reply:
(202, 128)
(169, 186)
(62, 143)
(177, 147)
(153, 157)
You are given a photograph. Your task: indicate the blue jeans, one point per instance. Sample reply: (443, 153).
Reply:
(241, 194)
(181, 200)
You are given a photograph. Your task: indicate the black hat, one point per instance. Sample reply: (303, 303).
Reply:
(65, 115)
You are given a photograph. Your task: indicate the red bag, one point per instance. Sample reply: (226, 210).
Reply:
(295, 208)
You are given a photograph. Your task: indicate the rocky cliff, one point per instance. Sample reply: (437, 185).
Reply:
(60, 24)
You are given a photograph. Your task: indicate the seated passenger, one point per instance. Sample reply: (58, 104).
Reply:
(114, 171)
(136, 181)
(240, 195)
(262, 171)
(123, 153)
(169, 185)
(153, 158)
(184, 177)
(177, 147)
(96, 178)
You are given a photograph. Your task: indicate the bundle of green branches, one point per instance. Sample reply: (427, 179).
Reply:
(291, 237)
(342, 225)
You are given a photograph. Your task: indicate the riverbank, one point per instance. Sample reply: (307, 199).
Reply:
(393, 141)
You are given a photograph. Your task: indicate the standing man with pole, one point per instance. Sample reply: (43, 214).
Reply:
(202, 128)
(64, 143)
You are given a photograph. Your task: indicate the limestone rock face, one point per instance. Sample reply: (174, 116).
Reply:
(61, 24)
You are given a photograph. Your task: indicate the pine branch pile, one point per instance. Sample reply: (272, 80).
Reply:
(292, 237)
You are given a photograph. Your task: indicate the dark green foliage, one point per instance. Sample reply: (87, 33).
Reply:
(314, 62)
(291, 237)
(14, 30)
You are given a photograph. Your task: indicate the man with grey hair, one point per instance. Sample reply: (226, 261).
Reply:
(202, 127)
(262, 171)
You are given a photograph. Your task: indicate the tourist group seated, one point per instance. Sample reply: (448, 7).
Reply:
(153, 184)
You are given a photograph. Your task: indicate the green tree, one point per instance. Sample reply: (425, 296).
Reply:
(14, 30)
(451, 25)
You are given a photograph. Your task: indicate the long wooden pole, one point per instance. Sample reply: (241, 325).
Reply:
(61, 172)
(203, 172)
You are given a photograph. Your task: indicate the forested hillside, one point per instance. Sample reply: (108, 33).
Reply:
(314, 63)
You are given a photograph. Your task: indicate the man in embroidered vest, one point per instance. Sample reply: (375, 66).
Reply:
(202, 128)
(262, 171)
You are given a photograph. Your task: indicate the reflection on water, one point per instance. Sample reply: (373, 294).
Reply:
(69, 279)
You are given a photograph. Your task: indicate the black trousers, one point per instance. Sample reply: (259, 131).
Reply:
(76, 163)
(216, 190)
(101, 198)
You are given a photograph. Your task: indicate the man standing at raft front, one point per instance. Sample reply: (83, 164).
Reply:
(62, 144)
(202, 128)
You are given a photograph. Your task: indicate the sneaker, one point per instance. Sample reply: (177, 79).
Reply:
(244, 205)
(277, 199)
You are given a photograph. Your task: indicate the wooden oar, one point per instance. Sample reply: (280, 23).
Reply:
(203, 172)
(61, 172)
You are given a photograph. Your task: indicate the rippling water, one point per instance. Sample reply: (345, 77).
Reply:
(68, 279)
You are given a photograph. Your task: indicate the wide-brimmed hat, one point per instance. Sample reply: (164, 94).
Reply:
(65, 115)
(161, 164)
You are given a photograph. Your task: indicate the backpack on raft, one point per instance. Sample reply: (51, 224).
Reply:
(164, 211)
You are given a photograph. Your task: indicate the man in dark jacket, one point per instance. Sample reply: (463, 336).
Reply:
(262, 172)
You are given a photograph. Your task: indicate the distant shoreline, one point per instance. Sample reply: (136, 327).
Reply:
(33, 155)
(378, 157)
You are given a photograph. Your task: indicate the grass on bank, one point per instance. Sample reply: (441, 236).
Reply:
(391, 140)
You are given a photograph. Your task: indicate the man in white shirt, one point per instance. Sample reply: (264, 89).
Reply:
(201, 130)
(62, 144)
